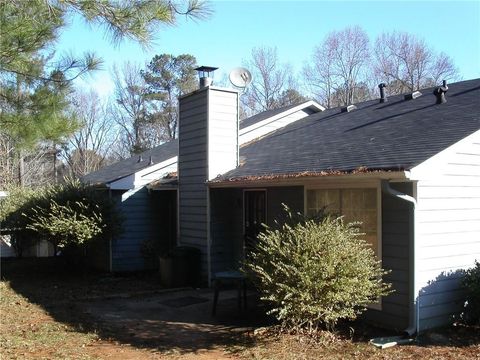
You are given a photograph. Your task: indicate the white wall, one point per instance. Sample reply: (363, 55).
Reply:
(145, 176)
(222, 145)
(448, 227)
(265, 127)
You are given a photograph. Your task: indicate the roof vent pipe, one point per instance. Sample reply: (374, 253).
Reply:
(205, 75)
(383, 96)
(440, 93)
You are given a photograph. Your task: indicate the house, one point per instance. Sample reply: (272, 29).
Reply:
(145, 188)
(408, 167)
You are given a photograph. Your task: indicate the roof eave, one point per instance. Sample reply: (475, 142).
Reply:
(309, 177)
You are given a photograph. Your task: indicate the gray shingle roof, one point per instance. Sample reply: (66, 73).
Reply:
(131, 165)
(396, 135)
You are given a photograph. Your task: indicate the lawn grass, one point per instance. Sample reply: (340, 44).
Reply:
(28, 331)
(40, 319)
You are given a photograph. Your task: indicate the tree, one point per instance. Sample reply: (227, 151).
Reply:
(339, 64)
(406, 63)
(33, 113)
(130, 110)
(290, 97)
(167, 77)
(270, 79)
(319, 76)
(89, 148)
(28, 31)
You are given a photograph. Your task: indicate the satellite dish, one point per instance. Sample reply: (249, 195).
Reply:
(240, 77)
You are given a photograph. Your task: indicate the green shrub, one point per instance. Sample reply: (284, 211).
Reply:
(18, 202)
(471, 281)
(313, 273)
(70, 224)
(66, 215)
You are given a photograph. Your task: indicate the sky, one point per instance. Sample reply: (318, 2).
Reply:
(226, 39)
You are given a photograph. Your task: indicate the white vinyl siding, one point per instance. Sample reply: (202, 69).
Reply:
(448, 233)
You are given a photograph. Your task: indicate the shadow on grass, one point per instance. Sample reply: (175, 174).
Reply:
(134, 309)
(180, 321)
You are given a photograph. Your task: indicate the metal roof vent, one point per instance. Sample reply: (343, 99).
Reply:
(413, 95)
(204, 77)
(383, 96)
(440, 93)
(348, 108)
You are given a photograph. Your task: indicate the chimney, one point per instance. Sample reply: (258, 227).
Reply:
(205, 75)
(207, 147)
(440, 93)
(383, 97)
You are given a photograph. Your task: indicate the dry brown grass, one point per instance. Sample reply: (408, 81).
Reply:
(40, 319)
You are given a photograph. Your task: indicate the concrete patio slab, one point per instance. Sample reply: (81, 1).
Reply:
(179, 321)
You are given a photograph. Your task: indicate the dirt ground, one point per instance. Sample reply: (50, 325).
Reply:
(105, 317)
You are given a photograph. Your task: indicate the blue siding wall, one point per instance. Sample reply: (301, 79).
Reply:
(193, 173)
(137, 227)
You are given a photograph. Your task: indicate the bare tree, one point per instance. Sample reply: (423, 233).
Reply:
(130, 110)
(339, 65)
(319, 76)
(270, 79)
(38, 164)
(89, 148)
(407, 63)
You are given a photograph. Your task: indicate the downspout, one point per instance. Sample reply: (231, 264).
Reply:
(413, 324)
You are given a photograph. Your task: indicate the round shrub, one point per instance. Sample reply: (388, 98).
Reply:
(313, 273)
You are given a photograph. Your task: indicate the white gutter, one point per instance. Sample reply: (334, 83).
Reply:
(413, 325)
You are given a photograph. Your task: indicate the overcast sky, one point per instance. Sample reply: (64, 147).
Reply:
(294, 27)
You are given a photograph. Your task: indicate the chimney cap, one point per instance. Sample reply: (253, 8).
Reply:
(204, 77)
(206, 68)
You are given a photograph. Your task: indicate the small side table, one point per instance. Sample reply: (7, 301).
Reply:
(235, 277)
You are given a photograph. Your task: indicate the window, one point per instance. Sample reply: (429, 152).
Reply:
(353, 204)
